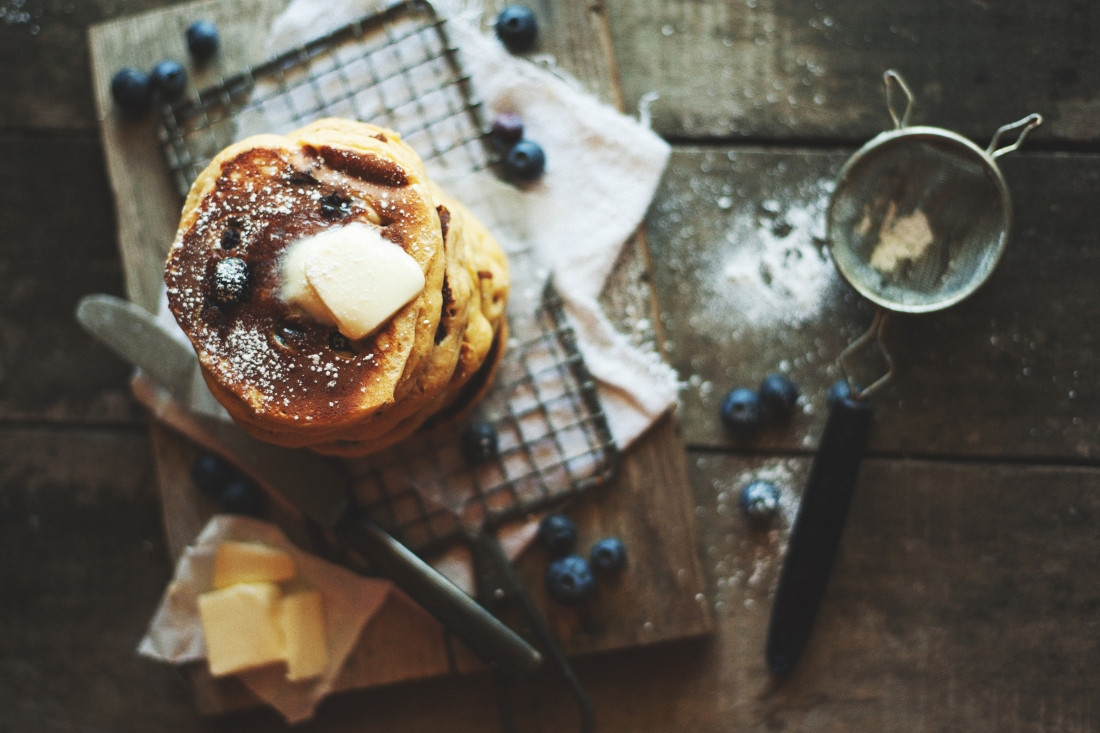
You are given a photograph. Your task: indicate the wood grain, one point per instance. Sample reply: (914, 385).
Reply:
(45, 59)
(747, 288)
(964, 598)
(657, 598)
(82, 565)
(58, 245)
(146, 203)
(956, 602)
(959, 601)
(576, 36)
(975, 65)
(781, 69)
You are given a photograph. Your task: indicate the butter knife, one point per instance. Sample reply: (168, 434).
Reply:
(315, 486)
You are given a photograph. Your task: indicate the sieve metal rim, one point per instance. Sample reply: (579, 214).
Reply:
(904, 136)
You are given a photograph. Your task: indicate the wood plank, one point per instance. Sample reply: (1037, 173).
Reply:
(779, 69)
(46, 62)
(747, 289)
(83, 563)
(146, 202)
(576, 36)
(58, 245)
(964, 598)
(961, 600)
(44, 55)
(648, 505)
(657, 597)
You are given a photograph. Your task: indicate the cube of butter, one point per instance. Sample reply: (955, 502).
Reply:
(241, 627)
(251, 562)
(350, 276)
(302, 621)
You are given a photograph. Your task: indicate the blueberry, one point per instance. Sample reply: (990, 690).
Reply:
(290, 334)
(760, 500)
(516, 28)
(840, 390)
(778, 395)
(131, 89)
(479, 442)
(231, 280)
(558, 534)
(569, 580)
(608, 555)
(339, 342)
(202, 39)
(741, 410)
(334, 205)
(230, 239)
(211, 473)
(243, 497)
(169, 79)
(507, 131)
(525, 161)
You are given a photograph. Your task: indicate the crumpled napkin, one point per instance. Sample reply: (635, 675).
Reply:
(175, 633)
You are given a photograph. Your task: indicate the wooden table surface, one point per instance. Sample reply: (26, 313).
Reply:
(967, 591)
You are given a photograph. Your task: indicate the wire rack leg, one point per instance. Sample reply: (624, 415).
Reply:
(488, 551)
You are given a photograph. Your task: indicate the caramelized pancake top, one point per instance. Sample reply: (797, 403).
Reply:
(269, 362)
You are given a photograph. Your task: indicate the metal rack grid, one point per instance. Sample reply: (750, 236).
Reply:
(554, 443)
(397, 68)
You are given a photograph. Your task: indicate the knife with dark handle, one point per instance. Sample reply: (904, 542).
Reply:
(816, 534)
(315, 486)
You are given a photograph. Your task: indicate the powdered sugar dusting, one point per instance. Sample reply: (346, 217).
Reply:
(250, 356)
(224, 279)
(777, 271)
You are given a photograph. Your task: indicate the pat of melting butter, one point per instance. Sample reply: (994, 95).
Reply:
(350, 277)
(302, 622)
(241, 626)
(250, 562)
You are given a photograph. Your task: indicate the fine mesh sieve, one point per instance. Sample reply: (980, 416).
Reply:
(919, 217)
(917, 222)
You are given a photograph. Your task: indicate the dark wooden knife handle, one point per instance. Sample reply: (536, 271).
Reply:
(485, 635)
(816, 533)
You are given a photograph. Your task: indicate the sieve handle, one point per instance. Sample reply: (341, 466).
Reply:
(816, 534)
(890, 78)
(1028, 124)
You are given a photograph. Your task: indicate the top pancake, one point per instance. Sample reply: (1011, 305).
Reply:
(269, 363)
(475, 290)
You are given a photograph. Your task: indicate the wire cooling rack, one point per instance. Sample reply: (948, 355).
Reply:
(553, 443)
(397, 68)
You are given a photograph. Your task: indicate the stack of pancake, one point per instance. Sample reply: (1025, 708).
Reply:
(283, 368)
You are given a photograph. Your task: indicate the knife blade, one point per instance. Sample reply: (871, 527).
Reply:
(316, 486)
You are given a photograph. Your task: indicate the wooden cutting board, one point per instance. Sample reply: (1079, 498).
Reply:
(650, 506)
